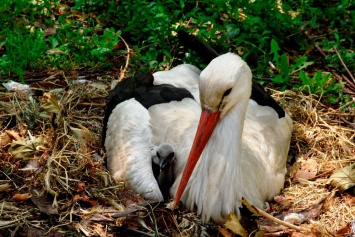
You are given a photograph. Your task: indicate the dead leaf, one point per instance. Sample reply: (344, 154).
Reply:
(5, 139)
(286, 202)
(4, 187)
(84, 199)
(308, 170)
(55, 51)
(347, 230)
(299, 234)
(343, 178)
(22, 149)
(20, 197)
(81, 187)
(260, 233)
(225, 232)
(348, 199)
(50, 31)
(13, 134)
(43, 203)
(82, 133)
(50, 103)
(249, 207)
(313, 211)
(26, 148)
(234, 225)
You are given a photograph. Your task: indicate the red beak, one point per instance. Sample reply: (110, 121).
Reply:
(208, 122)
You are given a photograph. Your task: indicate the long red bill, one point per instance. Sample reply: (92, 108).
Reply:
(208, 122)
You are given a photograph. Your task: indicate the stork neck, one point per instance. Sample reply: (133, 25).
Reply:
(219, 169)
(227, 136)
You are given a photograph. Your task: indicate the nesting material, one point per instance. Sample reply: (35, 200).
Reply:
(64, 143)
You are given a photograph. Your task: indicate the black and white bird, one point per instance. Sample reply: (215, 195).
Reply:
(163, 157)
(231, 139)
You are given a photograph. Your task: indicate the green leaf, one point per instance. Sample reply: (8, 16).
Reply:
(304, 78)
(336, 36)
(284, 65)
(274, 50)
(54, 42)
(182, 4)
(167, 53)
(343, 178)
(99, 51)
(300, 64)
(278, 79)
(283, 88)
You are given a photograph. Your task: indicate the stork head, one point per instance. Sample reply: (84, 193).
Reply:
(166, 155)
(224, 83)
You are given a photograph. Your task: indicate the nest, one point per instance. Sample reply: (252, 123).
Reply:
(53, 181)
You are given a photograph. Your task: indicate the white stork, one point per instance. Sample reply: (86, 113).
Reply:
(218, 119)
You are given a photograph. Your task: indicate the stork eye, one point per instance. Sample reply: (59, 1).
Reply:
(227, 92)
(171, 156)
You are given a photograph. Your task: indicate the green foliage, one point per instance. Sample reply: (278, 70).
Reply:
(40, 34)
(31, 112)
(28, 46)
(286, 70)
(321, 84)
(23, 51)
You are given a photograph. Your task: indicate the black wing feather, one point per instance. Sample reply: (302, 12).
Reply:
(142, 89)
(204, 51)
(123, 91)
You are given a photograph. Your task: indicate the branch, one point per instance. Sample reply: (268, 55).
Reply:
(280, 222)
(127, 60)
(342, 62)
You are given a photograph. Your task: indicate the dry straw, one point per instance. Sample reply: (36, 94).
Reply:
(73, 155)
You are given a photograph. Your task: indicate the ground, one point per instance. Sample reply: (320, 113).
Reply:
(54, 181)
(52, 178)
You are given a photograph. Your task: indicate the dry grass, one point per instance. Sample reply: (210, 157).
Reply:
(69, 175)
(321, 134)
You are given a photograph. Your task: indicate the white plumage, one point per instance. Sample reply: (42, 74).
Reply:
(244, 157)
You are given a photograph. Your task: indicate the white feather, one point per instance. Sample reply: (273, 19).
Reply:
(128, 141)
(244, 158)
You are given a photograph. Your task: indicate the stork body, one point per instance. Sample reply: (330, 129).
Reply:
(243, 154)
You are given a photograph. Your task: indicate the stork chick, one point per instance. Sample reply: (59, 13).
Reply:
(163, 158)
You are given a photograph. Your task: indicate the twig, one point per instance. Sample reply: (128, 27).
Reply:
(127, 60)
(94, 105)
(340, 79)
(351, 84)
(320, 50)
(280, 222)
(342, 62)
(347, 122)
(344, 106)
